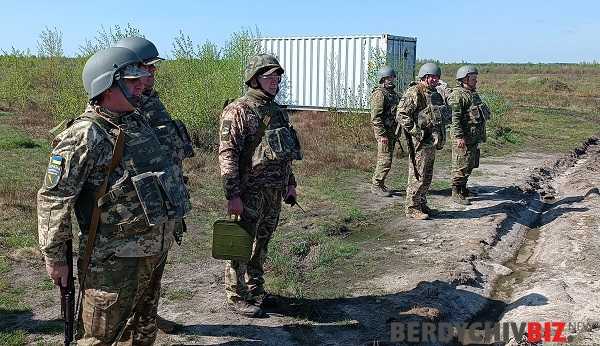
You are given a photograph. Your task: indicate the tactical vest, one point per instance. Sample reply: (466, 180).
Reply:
(172, 134)
(147, 192)
(276, 140)
(434, 117)
(478, 114)
(390, 104)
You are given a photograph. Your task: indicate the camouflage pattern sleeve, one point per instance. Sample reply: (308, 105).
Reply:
(408, 109)
(70, 164)
(231, 143)
(377, 112)
(459, 107)
(292, 180)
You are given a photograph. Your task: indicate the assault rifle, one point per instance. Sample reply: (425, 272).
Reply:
(67, 297)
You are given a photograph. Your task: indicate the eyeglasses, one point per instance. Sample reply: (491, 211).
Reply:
(271, 77)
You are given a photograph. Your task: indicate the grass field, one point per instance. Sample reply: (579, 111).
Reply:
(547, 108)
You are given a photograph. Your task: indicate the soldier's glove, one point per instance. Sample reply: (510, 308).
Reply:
(289, 199)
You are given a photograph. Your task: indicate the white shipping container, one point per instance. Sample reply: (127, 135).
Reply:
(338, 71)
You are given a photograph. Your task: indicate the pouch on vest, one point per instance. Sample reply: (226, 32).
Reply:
(280, 144)
(188, 149)
(147, 186)
(169, 138)
(474, 115)
(485, 111)
(177, 200)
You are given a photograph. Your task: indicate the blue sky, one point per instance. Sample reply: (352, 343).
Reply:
(450, 31)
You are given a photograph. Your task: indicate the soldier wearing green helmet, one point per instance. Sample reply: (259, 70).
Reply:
(107, 167)
(173, 134)
(384, 100)
(256, 149)
(469, 115)
(421, 113)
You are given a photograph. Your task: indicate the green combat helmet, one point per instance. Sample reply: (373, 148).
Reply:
(145, 49)
(111, 65)
(386, 71)
(261, 64)
(465, 70)
(429, 68)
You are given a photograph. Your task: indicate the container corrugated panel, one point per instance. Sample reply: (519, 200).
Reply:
(338, 71)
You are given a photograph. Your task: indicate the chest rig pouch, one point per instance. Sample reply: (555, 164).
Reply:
(479, 113)
(279, 142)
(149, 191)
(434, 117)
(172, 134)
(390, 106)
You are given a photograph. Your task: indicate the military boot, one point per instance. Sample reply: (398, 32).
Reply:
(427, 210)
(245, 308)
(380, 190)
(465, 191)
(458, 197)
(165, 326)
(416, 214)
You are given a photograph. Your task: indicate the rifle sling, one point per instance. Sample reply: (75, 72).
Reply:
(117, 156)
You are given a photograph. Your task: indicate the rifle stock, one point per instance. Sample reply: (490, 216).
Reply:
(67, 298)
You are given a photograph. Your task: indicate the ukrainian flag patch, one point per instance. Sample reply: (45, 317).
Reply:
(54, 172)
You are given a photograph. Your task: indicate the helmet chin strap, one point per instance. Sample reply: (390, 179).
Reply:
(133, 100)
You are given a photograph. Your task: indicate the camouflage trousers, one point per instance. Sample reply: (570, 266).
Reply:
(260, 216)
(463, 162)
(120, 301)
(384, 159)
(416, 190)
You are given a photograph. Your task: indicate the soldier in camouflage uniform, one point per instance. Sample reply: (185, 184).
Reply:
(108, 162)
(469, 115)
(383, 116)
(257, 146)
(421, 112)
(173, 135)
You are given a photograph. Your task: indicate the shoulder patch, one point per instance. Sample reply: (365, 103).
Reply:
(225, 130)
(54, 172)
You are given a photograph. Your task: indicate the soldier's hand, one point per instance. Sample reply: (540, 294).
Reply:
(290, 194)
(460, 142)
(59, 273)
(384, 140)
(235, 206)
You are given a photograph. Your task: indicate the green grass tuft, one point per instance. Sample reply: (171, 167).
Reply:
(179, 294)
(4, 266)
(12, 301)
(13, 338)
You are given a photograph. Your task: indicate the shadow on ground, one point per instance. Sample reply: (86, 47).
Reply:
(361, 320)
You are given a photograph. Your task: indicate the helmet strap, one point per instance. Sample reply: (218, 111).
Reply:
(133, 100)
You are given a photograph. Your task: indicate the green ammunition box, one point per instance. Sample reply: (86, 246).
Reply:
(231, 241)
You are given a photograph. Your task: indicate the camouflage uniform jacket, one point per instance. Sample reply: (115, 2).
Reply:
(413, 101)
(469, 115)
(77, 169)
(383, 110)
(239, 137)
